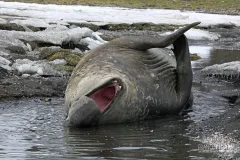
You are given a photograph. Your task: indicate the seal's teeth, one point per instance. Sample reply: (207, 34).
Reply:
(119, 87)
(115, 81)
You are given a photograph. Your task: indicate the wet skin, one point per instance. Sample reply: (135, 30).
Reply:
(130, 79)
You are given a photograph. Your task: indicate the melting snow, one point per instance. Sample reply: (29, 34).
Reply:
(198, 34)
(26, 66)
(79, 13)
(231, 69)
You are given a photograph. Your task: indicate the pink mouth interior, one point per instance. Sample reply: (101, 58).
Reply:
(104, 96)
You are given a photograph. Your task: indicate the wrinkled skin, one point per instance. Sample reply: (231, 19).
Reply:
(126, 81)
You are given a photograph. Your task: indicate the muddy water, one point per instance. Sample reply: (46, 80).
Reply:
(33, 128)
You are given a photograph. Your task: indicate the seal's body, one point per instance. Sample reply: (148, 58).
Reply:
(125, 81)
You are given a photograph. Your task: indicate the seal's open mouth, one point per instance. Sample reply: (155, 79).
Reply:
(104, 95)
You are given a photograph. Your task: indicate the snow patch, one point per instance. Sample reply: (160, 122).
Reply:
(90, 43)
(48, 36)
(77, 13)
(42, 68)
(59, 62)
(198, 34)
(229, 70)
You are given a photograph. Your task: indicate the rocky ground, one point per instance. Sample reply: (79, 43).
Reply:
(37, 61)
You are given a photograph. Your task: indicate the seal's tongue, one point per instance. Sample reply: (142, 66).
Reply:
(104, 96)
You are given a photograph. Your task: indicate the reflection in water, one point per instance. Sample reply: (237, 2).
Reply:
(210, 56)
(203, 52)
(148, 140)
(219, 56)
(33, 128)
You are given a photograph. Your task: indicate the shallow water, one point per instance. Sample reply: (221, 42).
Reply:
(33, 128)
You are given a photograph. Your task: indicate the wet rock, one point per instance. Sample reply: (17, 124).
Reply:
(32, 86)
(43, 43)
(36, 29)
(5, 63)
(110, 35)
(153, 27)
(139, 26)
(227, 123)
(32, 44)
(11, 26)
(66, 68)
(232, 95)
(88, 25)
(115, 27)
(227, 26)
(48, 51)
(3, 72)
(16, 49)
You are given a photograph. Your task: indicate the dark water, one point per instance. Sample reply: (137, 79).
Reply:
(33, 128)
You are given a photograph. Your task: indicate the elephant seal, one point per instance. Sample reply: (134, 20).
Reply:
(123, 81)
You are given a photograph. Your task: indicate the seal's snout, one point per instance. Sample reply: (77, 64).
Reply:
(83, 112)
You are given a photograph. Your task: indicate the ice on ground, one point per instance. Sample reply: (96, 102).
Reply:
(198, 34)
(4, 63)
(3, 53)
(59, 16)
(7, 39)
(96, 36)
(42, 68)
(54, 35)
(77, 13)
(90, 43)
(59, 62)
(50, 36)
(229, 70)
